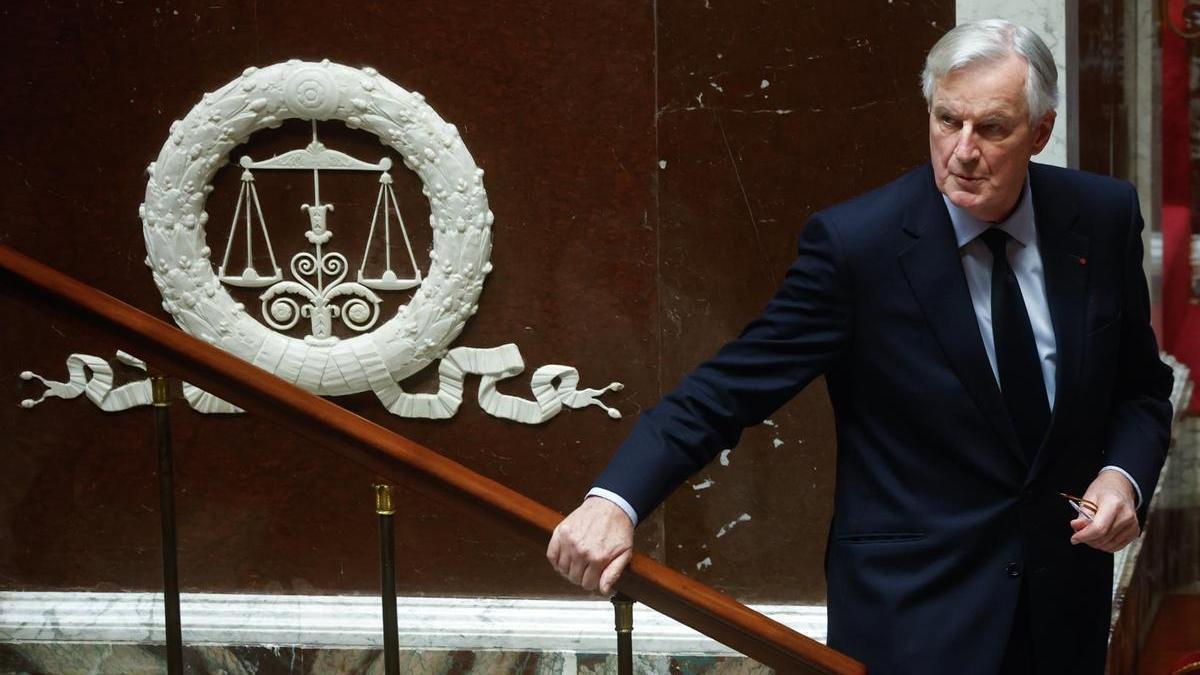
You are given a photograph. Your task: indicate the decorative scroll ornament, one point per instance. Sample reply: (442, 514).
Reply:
(375, 360)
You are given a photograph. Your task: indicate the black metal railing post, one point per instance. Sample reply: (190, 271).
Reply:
(166, 504)
(386, 510)
(623, 612)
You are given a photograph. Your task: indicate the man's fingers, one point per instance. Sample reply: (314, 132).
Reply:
(1098, 529)
(596, 562)
(576, 569)
(586, 542)
(1122, 536)
(591, 575)
(1112, 529)
(1115, 521)
(1109, 541)
(562, 558)
(552, 550)
(599, 563)
(613, 572)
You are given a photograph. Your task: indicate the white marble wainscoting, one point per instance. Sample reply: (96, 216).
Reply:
(1054, 22)
(122, 634)
(356, 621)
(1179, 486)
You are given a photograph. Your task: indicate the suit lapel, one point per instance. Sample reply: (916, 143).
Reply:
(933, 268)
(1064, 253)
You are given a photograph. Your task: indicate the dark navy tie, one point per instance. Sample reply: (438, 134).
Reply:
(1017, 359)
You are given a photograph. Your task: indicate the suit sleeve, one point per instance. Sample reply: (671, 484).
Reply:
(803, 330)
(1140, 427)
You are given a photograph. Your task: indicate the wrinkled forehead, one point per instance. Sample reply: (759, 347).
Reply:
(993, 87)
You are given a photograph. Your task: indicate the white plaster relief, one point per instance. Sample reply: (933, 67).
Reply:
(380, 357)
(98, 387)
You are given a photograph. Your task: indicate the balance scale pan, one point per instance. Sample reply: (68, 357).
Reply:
(249, 279)
(389, 282)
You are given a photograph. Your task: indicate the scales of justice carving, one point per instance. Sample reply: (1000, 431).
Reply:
(318, 276)
(379, 355)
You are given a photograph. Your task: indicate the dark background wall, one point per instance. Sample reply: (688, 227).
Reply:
(650, 165)
(1104, 38)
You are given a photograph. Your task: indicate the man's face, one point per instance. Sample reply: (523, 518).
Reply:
(980, 138)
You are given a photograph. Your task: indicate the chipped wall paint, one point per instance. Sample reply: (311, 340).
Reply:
(744, 518)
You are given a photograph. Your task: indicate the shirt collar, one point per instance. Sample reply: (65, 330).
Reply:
(1019, 225)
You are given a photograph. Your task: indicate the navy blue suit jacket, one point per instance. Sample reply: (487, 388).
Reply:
(938, 518)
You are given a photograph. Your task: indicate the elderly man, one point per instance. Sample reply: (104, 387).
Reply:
(983, 323)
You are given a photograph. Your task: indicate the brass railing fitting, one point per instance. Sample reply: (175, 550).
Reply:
(159, 391)
(383, 500)
(623, 606)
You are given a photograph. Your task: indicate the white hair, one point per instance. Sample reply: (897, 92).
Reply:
(993, 40)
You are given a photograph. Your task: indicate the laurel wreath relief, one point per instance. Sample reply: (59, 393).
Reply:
(420, 332)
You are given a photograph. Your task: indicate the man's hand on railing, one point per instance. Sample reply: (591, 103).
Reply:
(592, 546)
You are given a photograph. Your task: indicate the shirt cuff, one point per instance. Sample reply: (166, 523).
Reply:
(624, 505)
(1136, 487)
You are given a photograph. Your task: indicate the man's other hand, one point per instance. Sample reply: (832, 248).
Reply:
(592, 546)
(1115, 523)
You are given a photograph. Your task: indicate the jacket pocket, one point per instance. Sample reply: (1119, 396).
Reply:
(880, 537)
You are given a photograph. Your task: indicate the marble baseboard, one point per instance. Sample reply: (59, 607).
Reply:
(129, 659)
(348, 622)
(118, 659)
(100, 633)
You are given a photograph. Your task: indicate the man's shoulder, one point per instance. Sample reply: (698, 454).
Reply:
(882, 209)
(1083, 187)
(888, 199)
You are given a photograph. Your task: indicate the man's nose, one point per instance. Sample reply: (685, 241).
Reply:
(966, 149)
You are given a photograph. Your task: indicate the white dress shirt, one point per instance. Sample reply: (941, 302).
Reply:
(1025, 259)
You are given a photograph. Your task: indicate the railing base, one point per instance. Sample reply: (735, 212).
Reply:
(62, 657)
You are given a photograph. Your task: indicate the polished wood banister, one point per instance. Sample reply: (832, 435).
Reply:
(385, 452)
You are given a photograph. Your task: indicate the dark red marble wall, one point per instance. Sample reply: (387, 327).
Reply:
(649, 165)
(768, 112)
(1104, 115)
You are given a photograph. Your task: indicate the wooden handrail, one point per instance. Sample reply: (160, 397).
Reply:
(387, 453)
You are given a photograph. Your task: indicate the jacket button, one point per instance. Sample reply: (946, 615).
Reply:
(1012, 569)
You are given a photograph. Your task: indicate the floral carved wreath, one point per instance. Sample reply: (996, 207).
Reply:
(420, 332)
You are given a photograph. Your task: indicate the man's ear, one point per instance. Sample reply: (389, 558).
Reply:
(1041, 131)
